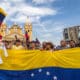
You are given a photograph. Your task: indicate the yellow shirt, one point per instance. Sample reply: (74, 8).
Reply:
(17, 47)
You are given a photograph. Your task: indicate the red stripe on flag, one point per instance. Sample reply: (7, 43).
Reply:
(0, 24)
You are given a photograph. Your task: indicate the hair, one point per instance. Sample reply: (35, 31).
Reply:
(72, 40)
(44, 46)
(18, 40)
(49, 43)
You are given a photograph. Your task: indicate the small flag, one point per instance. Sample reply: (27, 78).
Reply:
(2, 15)
(26, 36)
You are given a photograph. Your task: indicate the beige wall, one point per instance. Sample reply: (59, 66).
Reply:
(72, 33)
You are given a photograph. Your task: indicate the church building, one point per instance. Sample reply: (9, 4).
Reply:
(15, 30)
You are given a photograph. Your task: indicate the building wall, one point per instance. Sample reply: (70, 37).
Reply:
(15, 29)
(71, 33)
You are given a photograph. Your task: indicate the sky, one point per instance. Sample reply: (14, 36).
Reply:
(48, 17)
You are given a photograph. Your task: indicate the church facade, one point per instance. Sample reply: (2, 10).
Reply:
(15, 30)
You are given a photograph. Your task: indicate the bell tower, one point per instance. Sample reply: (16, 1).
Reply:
(28, 28)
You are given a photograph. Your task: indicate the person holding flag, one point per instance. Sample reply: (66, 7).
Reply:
(2, 46)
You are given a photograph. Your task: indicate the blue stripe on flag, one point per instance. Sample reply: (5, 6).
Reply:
(50, 73)
(1, 18)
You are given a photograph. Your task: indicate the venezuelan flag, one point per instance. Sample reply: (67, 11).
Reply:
(41, 65)
(2, 15)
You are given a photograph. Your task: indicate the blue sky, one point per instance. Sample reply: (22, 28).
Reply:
(48, 17)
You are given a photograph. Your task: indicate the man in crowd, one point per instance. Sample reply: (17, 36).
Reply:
(37, 43)
(72, 44)
(63, 45)
(2, 47)
(6, 43)
(32, 45)
(43, 46)
(17, 45)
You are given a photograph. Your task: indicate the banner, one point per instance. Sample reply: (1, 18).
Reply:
(41, 65)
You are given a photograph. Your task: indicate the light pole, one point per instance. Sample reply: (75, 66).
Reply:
(79, 36)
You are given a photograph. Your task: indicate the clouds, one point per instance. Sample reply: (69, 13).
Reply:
(18, 10)
(30, 10)
(42, 1)
(49, 31)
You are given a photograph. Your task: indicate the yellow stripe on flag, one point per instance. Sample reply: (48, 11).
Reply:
(25, 60)
(2, 12)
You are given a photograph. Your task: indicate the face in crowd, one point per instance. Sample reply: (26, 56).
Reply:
(63, 43)
(32, 45)
(44, 45)
(6, 44)
(18, 43)
(72, 43)
(47, 46)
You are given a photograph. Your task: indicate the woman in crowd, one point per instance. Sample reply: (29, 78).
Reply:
(48, 46)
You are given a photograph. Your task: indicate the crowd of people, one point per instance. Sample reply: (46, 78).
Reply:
(36, 45)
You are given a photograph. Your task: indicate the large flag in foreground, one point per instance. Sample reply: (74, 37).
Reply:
(2, 15)
(41, 65)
